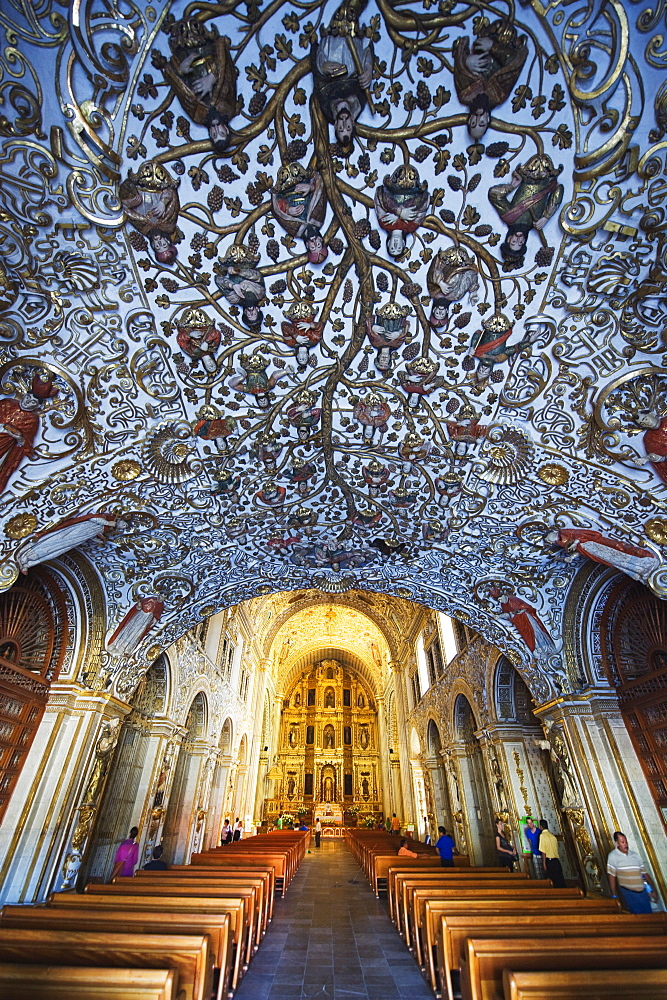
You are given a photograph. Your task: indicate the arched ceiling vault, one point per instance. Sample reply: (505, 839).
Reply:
(305, 664)
(335, 299)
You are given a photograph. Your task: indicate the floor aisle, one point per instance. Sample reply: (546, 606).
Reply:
(330, 937)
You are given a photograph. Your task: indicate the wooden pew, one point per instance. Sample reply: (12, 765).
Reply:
(583, 984)
(205, 882)
(221, 860)
(454, 930)
(434, 909)
(137, 888)
(236, 908)
(432, 888)
(66, 982)
(190, 955)
(483, 959)
(379, 864)
(124, 920)
(396, 875)
(259, 871)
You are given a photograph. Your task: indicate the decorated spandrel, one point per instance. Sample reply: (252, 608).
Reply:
(362, 257)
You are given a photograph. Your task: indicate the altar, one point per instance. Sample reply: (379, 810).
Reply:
(329, 813)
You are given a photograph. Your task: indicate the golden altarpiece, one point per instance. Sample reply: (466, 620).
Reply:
(328, 748)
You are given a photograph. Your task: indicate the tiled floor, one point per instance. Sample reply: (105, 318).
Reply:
(330, 937)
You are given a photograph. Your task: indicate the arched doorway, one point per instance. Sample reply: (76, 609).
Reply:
(438, 806)
(218, 787)
(633, 633)
(179, 822)
(33, 636)
(120, 808)
(474, 790)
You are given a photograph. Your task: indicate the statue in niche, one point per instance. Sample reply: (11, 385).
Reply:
(301, 332)
(329, 699)
(198, 337)
(202, 74)
(526, 202)
(361, 701)
(633, 560)
(297, 700)
(292, 738)
(401, 204)
(242, 284)
(563, 771)
(364, 739)
(342, 66)
(387, 331)
(66, 535)
(299, 205)
(365, 793)
(328, 789)
(486, 70)
(452, 275)
(150, 201)
(291, 786)
(19, 424)
(328, 738)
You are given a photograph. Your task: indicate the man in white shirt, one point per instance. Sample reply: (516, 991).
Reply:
(626, 872)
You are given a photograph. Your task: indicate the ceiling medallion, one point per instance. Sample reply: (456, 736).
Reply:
(126, 470)
(656, 529)
(21, 526)
(553, 475)
(166, 453)
(509, 454)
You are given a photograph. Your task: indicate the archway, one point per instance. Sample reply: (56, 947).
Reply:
(219, 783)
(438, 806)
(120, 808)
(179, 822)
(474, 787)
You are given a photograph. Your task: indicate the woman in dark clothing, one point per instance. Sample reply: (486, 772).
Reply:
(506, 852)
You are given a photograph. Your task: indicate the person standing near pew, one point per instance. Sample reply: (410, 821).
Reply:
(395, 825)
(446, 848)
(626, 872)
(157, 864)
(238, 829)
(226, 834)
(533, 834)
(506, 852)
(127, 856)
(550, 859)
(318, 831)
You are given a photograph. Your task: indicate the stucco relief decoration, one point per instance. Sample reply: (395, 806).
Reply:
(335, 295)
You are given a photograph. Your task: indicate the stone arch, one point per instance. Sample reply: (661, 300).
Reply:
(242, 752)
(511, 698)
(433, 740)
(226, 736)
(181, 805)
(474, 784)
(122, 795)
(438, 804)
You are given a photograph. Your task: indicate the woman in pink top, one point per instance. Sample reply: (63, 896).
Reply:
(127, 856)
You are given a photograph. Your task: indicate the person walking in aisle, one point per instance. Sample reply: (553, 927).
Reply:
(627, 874)
(446, 848)
(395, 825)
(318, 832)
(127, 856)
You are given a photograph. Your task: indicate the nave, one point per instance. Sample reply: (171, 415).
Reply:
(330, 937)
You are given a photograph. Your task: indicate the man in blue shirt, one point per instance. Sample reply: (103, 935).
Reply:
(445, 847)
(533, 837)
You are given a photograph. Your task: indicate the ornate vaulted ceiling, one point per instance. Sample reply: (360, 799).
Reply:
(315, 296)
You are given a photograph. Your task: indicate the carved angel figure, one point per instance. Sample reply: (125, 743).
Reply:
(526, 202)
(419, 379)
(255, 381)
(301, 331)
(486, 70)
(19, 424)
(150, 202)
(489, 345)
(202, 74)
(62, 537)
(655, 439)
(452, 275)
(401, 204)
(240, 281)
(198, 337)
(212, 426)
(342, 65)
(138, 621)
(387, 331)
(633, 560)
(299, 206)
(525, 620)
(303, 414)
(372, 412)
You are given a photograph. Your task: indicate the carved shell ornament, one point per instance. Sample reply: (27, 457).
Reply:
(167, 451)
(508, 454)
